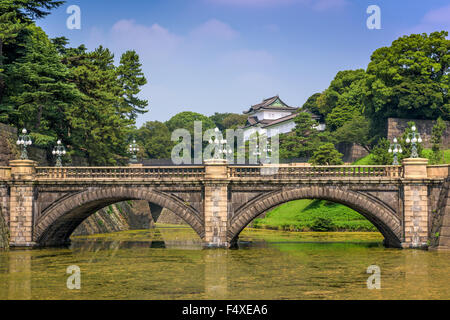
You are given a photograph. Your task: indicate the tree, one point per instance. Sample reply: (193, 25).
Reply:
(15, 15)
(233, 121)
(37, 89)
(410, 79)
(155, 137)
(131, 79)
(327, 155)
(303, 141)
(311, 104)
(97, 125)
(355, 130)
(343, 98)
(380, 154)
(218, 118)
(436, 139)
(185, 120)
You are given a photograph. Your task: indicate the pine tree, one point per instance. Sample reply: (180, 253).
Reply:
(15, 15)
(98, 127)
(37, 88)
(131, 79)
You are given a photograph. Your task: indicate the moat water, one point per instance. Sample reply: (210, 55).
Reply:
(169, 263)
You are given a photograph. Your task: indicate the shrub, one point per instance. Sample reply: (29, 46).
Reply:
(322, 224)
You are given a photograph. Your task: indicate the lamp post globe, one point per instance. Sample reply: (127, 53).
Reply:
(23, 142)
(414, 138)
(395, 148)
(59, 151)
(133, 149)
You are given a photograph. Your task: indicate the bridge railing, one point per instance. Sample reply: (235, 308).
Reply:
(438, 171)
(49, 173)
(286, 172)
(5, 173)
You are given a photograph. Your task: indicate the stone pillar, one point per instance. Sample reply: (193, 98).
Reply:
(216, 204)
(415, 222)
(21, 203)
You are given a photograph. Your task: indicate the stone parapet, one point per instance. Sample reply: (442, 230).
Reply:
(415, 168)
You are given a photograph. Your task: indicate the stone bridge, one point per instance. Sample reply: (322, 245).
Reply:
(408, 204)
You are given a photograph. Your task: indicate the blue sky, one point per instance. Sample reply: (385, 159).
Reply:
(224, 55)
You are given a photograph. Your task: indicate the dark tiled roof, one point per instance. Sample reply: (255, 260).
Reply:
(287, 118)
(267, 123)
(266, 104)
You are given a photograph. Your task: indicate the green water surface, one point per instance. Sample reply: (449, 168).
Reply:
(169, 263)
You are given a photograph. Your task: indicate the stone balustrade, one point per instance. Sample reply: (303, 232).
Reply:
(438, 171)
(5, 173)
(287, 172)
(233, 171)
(132, 172)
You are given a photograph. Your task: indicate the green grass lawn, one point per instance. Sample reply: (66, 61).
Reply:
(314, 215)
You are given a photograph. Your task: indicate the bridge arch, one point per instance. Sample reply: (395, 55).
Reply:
(379, 214)
(58, 222)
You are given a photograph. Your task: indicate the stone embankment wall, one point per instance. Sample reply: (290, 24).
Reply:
(9, 150)
(396, 128)
(4, 234)
(122, 216)
(440, 232)
(168, 217)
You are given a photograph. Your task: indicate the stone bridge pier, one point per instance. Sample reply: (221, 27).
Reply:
(408, 204)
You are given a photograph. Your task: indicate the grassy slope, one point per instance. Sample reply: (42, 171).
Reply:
(300, 215)
(426, 153)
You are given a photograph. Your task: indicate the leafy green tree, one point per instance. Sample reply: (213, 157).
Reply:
(311, 104)
(185, 120)
(327, 155)
(233, 121)
(380, 154)
(410, 79)
(131, 79)
(355, 130)
(218, 118)
(155, 137)
(436, 139)
(343, 99)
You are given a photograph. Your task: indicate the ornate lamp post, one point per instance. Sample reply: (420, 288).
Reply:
(24, 141)
(414, 138)
(59, 151)
(221, 145)
(133, 150)
(267, 150)
(395, 148)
